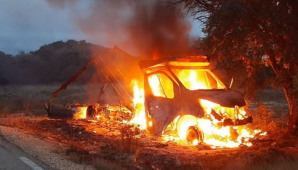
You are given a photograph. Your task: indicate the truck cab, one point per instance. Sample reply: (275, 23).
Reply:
(179, 92)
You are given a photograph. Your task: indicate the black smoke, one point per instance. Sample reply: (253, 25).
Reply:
(146, 28)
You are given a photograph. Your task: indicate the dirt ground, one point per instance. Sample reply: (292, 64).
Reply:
(88, 140)
(104, 145)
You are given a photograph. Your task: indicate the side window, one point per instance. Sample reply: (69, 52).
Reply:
(161, 85)
(212, 83)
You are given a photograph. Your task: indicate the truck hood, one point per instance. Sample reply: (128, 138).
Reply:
(225, 98)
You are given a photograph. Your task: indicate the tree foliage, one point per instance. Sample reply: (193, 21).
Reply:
(245, 35)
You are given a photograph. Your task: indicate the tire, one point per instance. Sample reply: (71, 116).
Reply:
(193, 133)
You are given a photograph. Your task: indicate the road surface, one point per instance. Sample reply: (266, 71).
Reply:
(13, 158)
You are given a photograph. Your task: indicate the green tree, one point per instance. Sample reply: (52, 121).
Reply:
(245, 35)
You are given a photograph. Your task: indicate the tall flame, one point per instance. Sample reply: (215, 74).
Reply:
(194, 82)
(138, 102)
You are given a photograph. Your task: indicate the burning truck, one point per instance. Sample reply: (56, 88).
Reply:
(179, 98)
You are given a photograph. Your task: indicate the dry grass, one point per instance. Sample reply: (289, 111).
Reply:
(105, 150)
(102, 164)
(30, 98)
(282, 164)
(271, 160)
(274, 100)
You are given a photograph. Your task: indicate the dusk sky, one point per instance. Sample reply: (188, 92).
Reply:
(28, 24)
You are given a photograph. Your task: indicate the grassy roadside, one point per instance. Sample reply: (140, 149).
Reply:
(103, 148)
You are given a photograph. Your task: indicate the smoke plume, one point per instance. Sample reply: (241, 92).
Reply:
(61, 3)
(145, 28)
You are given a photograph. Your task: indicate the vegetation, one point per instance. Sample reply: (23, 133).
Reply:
(52, 63)
(246, 35)
(29, 99)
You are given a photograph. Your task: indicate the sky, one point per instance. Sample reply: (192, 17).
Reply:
(26, 25)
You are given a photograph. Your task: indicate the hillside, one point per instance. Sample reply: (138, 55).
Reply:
(55, 63)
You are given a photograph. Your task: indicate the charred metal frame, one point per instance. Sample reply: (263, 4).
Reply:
(58, 111)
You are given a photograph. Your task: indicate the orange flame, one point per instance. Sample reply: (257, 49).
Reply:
(138, 101)
(80, 112)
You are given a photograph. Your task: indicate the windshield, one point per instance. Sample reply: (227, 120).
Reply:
(195, 79)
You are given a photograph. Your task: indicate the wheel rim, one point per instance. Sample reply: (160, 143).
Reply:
(193, 133)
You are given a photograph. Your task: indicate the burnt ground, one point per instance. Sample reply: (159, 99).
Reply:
(87, 140)
(106, 144)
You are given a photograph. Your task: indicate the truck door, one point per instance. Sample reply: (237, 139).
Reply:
(162, 100)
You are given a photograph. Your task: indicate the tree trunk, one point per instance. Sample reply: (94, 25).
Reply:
(293, 112)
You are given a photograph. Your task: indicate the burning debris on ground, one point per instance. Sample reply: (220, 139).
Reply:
(131, 147)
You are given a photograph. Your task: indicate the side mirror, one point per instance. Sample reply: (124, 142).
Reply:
(232, 80)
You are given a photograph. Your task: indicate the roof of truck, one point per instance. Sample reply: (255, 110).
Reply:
(198, 60)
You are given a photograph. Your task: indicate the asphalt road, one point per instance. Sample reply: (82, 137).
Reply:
(13, 158)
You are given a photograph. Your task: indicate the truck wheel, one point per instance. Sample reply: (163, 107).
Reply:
(183, 123)
(194, 133)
